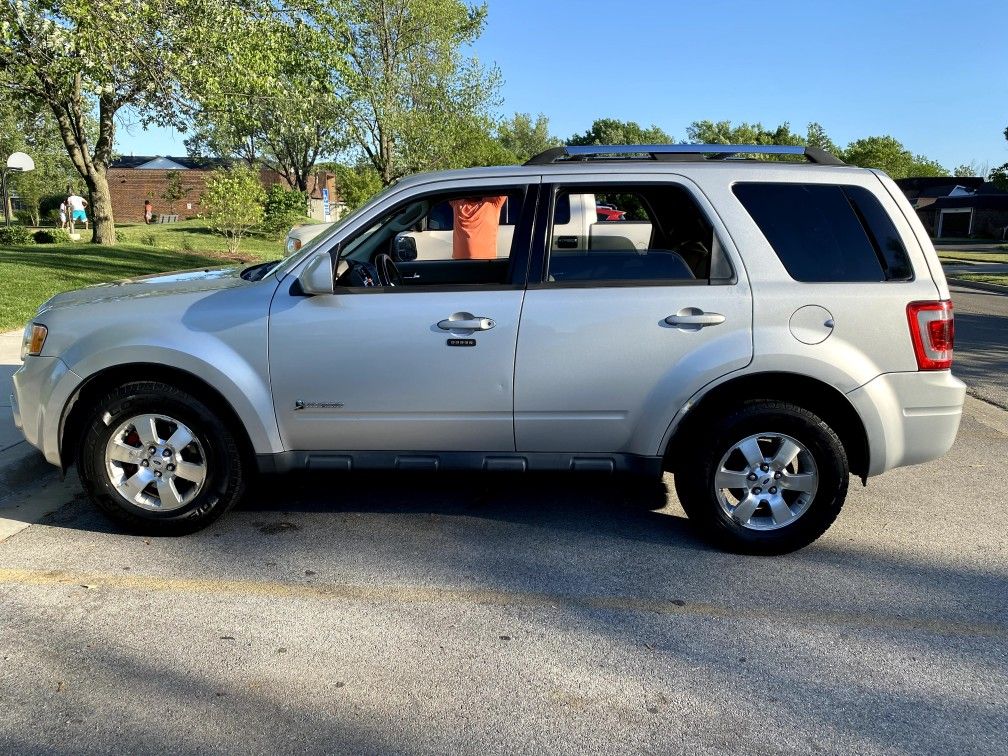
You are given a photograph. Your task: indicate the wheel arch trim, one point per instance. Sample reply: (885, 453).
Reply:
(825, 400)
(256, 428)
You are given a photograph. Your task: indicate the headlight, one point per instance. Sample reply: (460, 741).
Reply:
(34, 337)
(293, 245)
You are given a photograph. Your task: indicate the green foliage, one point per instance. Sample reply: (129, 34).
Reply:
(16, 236)
(70, 57)
(816, 136)
(889, 155)
(358, 184)
(174, 190)
(34, 132)
(522, 137)
(999, 177)
(282, 209)
(52, 236)
(233, 201)
(278, 108)
(972, 168)
(722, 132)
(410, 95)
(148, 240)
(612, 131)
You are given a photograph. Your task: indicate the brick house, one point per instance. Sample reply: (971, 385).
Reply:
(135, 179)
(958, 207)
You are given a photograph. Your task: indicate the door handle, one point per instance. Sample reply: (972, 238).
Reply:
(465, 321)
(567, 242)
(692, 316)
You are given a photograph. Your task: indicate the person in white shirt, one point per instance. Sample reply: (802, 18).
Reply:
(76, 203)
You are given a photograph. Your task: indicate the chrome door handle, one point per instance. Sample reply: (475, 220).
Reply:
(692, 317)
(464, 321)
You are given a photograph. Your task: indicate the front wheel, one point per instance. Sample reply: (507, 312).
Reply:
(159, 460)
(768, 478)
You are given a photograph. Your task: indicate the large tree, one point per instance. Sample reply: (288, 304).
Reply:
(119, 56)
(411, 96)
(889, 155)
(285, 115)
(613, 131)
(522, 136)
(26, 130)
(722, 132)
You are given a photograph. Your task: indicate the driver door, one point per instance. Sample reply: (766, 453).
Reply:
(387, 369)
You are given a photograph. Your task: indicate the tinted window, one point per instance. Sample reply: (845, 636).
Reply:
(825, 232)
(664, 236)
(561, 210)
(889, 245)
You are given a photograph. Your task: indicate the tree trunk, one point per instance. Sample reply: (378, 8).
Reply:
(100, 208)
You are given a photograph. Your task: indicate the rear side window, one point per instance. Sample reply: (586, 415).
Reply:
(826, 232)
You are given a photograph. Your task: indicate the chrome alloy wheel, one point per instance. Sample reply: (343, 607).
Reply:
(766, 481)
(155, 462)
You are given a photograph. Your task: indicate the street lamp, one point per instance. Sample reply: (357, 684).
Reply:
(19, 162)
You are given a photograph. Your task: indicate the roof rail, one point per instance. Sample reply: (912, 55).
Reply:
(676, 152)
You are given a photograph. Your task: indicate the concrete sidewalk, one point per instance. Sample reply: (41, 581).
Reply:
(21, 463)
(10, 360)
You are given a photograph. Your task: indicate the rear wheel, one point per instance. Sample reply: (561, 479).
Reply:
(768, 478)
(159, 460)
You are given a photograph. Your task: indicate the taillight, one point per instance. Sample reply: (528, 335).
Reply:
(932, 330)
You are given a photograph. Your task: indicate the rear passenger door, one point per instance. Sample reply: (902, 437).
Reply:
(614, 338)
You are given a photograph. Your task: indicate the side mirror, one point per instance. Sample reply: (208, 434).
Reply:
(317, 276)
(405, 248)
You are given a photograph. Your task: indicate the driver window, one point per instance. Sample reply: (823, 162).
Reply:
(462, 237)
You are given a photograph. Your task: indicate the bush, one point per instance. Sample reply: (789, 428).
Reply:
(282, 209)
(14, 236)
(233, 201)
(52, 236)
(148, 240)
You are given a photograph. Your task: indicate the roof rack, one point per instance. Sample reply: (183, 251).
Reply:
(677, 152)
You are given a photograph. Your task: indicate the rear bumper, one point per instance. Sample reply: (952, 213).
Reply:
(909, 418)
(42, 387)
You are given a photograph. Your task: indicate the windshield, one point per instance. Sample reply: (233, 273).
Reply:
(282, 266)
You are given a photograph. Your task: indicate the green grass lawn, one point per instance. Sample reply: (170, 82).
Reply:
(955, 254)
(29, 275)
(994, 278)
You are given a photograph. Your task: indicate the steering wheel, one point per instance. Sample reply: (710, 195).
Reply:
(388, 272)
(361, 274)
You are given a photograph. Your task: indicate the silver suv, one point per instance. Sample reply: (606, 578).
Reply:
(759, 328)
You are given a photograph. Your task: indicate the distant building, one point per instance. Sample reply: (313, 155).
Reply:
(134, 179)
(958, 207)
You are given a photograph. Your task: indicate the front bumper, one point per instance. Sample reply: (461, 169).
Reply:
(909, 417)
(42, 387)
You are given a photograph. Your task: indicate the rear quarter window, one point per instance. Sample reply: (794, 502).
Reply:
(827, 232)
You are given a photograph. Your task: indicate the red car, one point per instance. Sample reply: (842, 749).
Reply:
(609, 213)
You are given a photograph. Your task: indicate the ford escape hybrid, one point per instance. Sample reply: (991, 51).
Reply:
(759, 327)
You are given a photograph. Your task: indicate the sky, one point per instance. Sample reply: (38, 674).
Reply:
(932, 74)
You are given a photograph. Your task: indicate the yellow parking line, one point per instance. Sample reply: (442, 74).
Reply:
(490, 597)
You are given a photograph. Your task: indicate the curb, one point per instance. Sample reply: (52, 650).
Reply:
(979, 285)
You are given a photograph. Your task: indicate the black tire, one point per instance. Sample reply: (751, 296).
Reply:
(224, 482)
(698, 465)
